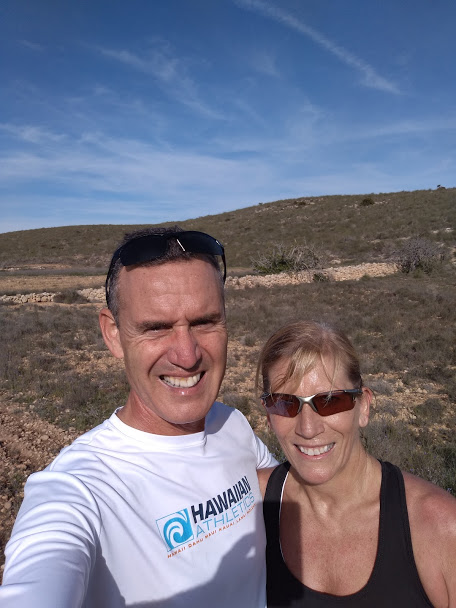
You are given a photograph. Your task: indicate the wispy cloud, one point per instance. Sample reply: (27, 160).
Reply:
(132, 180)
(170, 72)
(370, 77)
(264, 63)
(395, 128)
(30, 133)
(33, 46)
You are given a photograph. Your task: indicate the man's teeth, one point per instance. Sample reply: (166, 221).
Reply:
(182, 382)
(315, 451)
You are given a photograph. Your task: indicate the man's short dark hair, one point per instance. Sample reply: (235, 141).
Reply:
(174, 252)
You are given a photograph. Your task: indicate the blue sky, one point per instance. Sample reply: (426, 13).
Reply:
(145, 111)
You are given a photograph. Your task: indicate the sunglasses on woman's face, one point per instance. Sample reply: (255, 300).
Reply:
(325, 404)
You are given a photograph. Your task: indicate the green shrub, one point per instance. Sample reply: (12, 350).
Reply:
(367, 201)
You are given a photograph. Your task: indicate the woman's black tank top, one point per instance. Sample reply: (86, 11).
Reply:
(394, 581)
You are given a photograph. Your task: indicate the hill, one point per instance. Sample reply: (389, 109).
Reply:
(352, 229)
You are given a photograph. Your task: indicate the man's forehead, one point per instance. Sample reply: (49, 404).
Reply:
(193, 277)
(179, 268)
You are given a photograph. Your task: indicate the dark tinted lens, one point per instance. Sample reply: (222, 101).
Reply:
(143, 249)
(328, 404)
(282, 405)
(199, 242)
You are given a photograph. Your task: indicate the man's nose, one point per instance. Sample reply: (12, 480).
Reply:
(309, 424)
(184, 350)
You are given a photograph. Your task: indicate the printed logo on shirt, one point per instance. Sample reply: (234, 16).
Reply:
(181, 530)
(175, 529)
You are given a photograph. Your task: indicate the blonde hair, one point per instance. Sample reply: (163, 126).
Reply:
(304, 345)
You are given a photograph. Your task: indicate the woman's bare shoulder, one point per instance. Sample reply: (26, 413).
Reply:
(263, 478)
(428, 501)
(432, 518)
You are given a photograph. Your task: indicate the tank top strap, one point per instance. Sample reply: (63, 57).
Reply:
(395, 559)
(272, 502)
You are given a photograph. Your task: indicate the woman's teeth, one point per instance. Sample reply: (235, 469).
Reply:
(315, 451)
(182, 382)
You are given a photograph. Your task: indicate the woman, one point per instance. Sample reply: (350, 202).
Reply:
(343, 529)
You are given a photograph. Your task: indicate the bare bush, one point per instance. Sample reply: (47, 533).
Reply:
(70, 296)
(418, 254)
(281, 258)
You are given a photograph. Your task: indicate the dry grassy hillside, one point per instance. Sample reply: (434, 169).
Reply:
(352, 229)
(57, 378)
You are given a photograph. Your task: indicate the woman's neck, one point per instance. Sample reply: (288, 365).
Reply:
(357, 482)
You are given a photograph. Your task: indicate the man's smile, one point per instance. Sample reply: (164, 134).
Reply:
(179, 382)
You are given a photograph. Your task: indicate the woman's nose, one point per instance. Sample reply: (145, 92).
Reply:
(308, 422)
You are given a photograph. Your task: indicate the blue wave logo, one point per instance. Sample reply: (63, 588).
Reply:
(175, 529)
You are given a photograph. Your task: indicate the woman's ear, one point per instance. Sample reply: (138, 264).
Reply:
(110, 333)
(365, 403)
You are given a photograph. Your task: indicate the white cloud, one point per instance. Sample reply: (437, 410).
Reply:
(370, 78)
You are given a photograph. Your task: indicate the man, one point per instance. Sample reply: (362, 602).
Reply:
(157, 506)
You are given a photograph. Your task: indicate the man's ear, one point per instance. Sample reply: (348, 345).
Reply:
(366, 400)
(110, 333)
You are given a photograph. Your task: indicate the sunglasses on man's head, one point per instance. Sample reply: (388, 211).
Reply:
(325, 404)
(154, 246)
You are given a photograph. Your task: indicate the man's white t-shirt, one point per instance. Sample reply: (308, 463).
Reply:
(126, 518)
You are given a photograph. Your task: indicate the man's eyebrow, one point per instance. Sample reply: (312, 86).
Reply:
(215, 317)
(153, 325)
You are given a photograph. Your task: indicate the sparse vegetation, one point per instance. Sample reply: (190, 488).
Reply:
(240, 402)
(282, 258)
(47, 363)
(69, 296)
